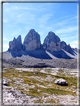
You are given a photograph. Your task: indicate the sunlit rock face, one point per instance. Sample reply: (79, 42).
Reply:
(52, 42)
(16, 44)
(32, 41)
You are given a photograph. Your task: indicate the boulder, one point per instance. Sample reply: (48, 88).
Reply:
(6, 83)
(16, 44)
(51, 42)
(32, 41)
(61, 82)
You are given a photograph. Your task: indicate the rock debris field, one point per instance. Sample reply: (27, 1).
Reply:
(37, 86)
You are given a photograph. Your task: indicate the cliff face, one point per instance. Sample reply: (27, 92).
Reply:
(66, 47)
(32, 42)
(16, 44)
(52, 42)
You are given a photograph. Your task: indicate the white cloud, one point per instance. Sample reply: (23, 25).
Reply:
(69, 37)
(63, 39)
(43, 20)
(63, 17)
(66, 30)
(74, 44)
(14, 7)
(5, 46)
(16, 32)
(66, 21)
(73, 37)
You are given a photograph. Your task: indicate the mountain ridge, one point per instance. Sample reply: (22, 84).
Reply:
(51, 47)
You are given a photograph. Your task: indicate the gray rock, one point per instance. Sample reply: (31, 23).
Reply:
(6, 83)
(31, 41)
(51, 42)
(66, 47)
(75, 49)
(16, 44)
(61, 82)
(52, 46)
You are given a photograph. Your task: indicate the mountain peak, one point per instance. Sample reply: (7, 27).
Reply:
(51, 42)
(32, 30)
(16, 44)
(31, 41)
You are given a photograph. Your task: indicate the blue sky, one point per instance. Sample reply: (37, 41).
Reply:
(19, 18)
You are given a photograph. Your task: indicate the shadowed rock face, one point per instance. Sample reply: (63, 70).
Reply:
(52, 46)
(31, 41)
(66, 47)
(16, 44)
(52, 42)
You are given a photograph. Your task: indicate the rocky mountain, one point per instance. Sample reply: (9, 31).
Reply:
(52, 47)
(52, 42)
(66, 47)
(16, 44)
(31, 41)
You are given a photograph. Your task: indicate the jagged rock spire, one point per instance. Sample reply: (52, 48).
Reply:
(16, 44)
(51, 42)
(31, 41)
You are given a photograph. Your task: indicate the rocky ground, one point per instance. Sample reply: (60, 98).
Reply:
(36, 86)
(30, 62)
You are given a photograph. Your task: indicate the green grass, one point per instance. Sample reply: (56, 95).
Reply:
(26, 76)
